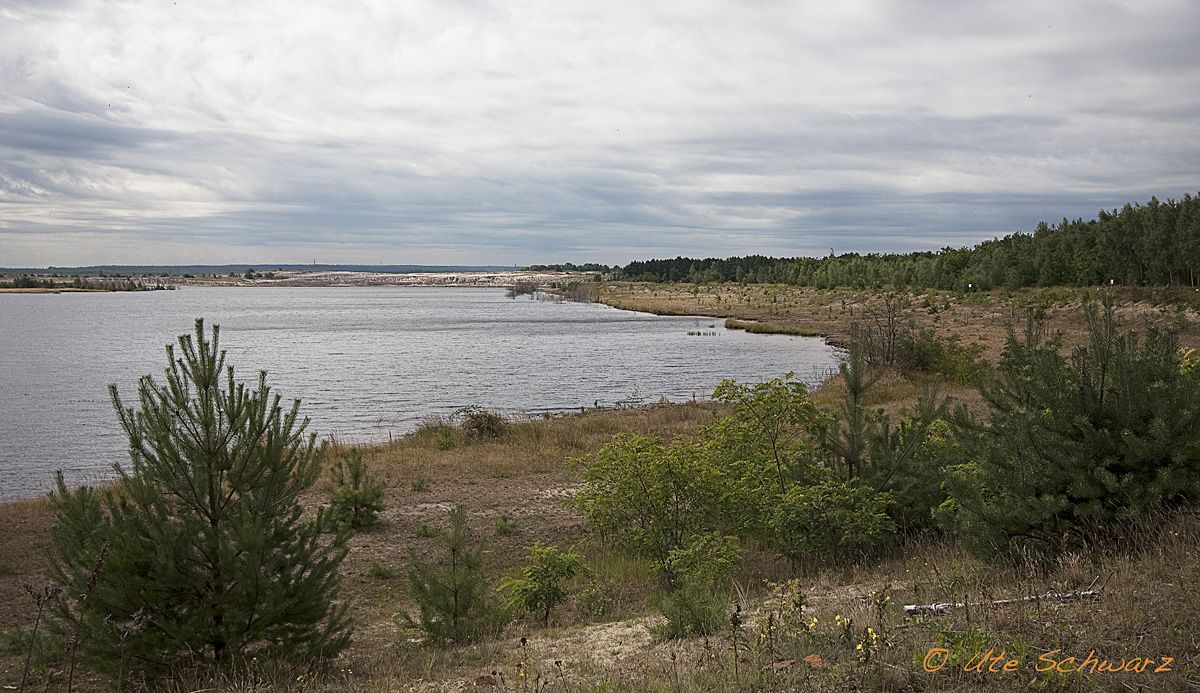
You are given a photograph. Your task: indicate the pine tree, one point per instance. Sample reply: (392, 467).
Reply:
(1073, 448)
(202, 550)
(452, 598)
(357, 498)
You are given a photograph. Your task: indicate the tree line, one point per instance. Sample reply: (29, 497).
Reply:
(1157, 243)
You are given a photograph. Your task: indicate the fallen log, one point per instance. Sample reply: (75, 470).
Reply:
(1051, 596)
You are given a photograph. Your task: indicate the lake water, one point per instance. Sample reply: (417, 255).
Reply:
(368, 363)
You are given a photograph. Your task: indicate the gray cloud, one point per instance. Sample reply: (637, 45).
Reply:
(494, 132)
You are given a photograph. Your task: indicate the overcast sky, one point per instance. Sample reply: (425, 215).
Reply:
(474, 132)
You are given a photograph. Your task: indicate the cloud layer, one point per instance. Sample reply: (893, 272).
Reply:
(465, 131)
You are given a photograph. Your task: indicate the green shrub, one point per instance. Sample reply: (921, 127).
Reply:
(769, 427)
(481, 423)
(439, 429)
(204, 537)
(906, 460)
(653, 498)
(691, 610)
(381, 571)
(598, 599)
(708, 560)
(356, 499)
(505, 526)
(445, 439)
(920, 349)
(453, 601)
(831, 519)
(539, 586)
(909, 464)
(649, 497)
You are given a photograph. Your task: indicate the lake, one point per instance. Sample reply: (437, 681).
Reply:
(368, 363)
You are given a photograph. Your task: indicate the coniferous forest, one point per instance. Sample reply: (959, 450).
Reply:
(1157, 243)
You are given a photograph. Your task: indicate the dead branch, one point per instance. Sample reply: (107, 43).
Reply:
(1051, 596)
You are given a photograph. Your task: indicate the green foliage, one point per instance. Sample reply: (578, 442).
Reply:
(419, 484)
(708, 560)
(906, 461)
(452, 598)
(539, 585)
(481, 423)
(445, 440)
(909, 464)
(357, 498)
(201, 550)
(649, 497)
(690, 610)
(831, 519)
(598, 598)
(381, 571)
(846, 437)
(1073, 446)
(25, 281)
(921, 350)
(769, 420)
(653, 498)
(1153, 244)
(505, 526)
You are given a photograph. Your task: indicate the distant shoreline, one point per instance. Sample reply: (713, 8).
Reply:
(321, 278)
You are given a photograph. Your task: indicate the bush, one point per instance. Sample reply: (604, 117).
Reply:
(691, 610)
(770, 426)
(481, 423)
(922, 350)
(833, 518)
(649, 497)
(356, 499)
(700, 573)
(653, 498)
(522, 287)
(446, 439)
(708, 560)
(452, 598)
(380, 571)
(203, 537)
(538, 587)
(598, 599)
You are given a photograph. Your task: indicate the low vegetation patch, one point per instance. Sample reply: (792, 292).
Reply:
(771, 328)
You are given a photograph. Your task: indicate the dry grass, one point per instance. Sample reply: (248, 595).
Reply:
(771, 328)
(975, 318)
